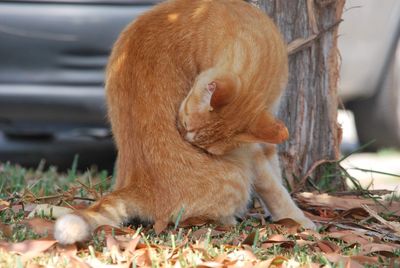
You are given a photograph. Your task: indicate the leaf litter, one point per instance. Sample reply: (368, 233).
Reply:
(353, 232)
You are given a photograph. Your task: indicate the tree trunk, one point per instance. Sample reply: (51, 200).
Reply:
(309, 104)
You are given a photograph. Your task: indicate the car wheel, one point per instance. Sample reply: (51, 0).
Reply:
(378, 117)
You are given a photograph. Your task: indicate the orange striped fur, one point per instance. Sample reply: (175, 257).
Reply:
(163, 61)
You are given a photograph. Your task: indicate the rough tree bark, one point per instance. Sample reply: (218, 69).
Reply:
(309, 105)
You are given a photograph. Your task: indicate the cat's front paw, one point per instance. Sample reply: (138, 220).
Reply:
(71, 228)
(306, 223)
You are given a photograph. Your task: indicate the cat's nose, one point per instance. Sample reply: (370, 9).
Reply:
(190, 136)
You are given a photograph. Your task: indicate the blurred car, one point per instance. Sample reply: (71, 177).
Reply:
(370, 69)
(52, 59)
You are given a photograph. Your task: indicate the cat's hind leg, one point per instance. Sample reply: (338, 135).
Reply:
(113, 209)
(268, 186)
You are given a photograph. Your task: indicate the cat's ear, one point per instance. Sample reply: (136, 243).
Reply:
(220, 92)
(265, 129)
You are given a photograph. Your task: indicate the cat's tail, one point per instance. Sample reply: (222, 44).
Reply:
(113, 210)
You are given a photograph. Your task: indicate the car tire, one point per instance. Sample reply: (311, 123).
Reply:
(378, 117)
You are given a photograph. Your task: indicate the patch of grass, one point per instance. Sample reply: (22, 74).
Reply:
(20, 186)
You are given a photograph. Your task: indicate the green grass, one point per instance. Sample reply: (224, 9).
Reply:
(17, 181)
(20, 185)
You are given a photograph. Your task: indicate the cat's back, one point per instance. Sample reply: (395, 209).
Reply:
(191, 27)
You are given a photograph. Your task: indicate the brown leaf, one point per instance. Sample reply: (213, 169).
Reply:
(78, 263)
(328, 247)
(111, 243)
(29, 248)
(67, 250)
(109, 230)
(353, 264)
(344, 260)
(141, 257)
(277, 239)
(386, 249)
(113, 247)
(327, 213)
(194, 221)
(316, 217)
(395, 226)
(203, 232)
(302, 243)
(349, 237)
(242, 254)
(309, 235)
(363, 229)
(312, 200)
(132, 245)
(39, 226)
(356, 213)
(249, 240)
(273, 262)
(291, 225)
(365, 259)
(6, 229)
(224, 228)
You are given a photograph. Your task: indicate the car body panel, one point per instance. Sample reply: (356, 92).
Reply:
(53, 56)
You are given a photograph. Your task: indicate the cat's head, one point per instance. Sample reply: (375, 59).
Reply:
(214, 118)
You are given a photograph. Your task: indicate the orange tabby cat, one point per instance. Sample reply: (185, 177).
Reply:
(235, 54)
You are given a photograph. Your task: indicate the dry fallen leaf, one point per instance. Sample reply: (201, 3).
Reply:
(6, 229)
(291, 225)
(242, 254)
(28, 248)
(39, 226)
(357, 213)
(343, 260)
(395, 226)
(386, 249)
(309, 234)
(273, 262)
(78, 263)
(277, 239)
(66, 250)
(141, 257)
(132, 245)
(194, 221)
(349, 237)
(201, 233)
(111, 230)
(312, 200)
(328, 246)
(114, 248)
(249, 240)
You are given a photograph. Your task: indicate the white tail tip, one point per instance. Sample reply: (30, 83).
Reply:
(71, 228)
